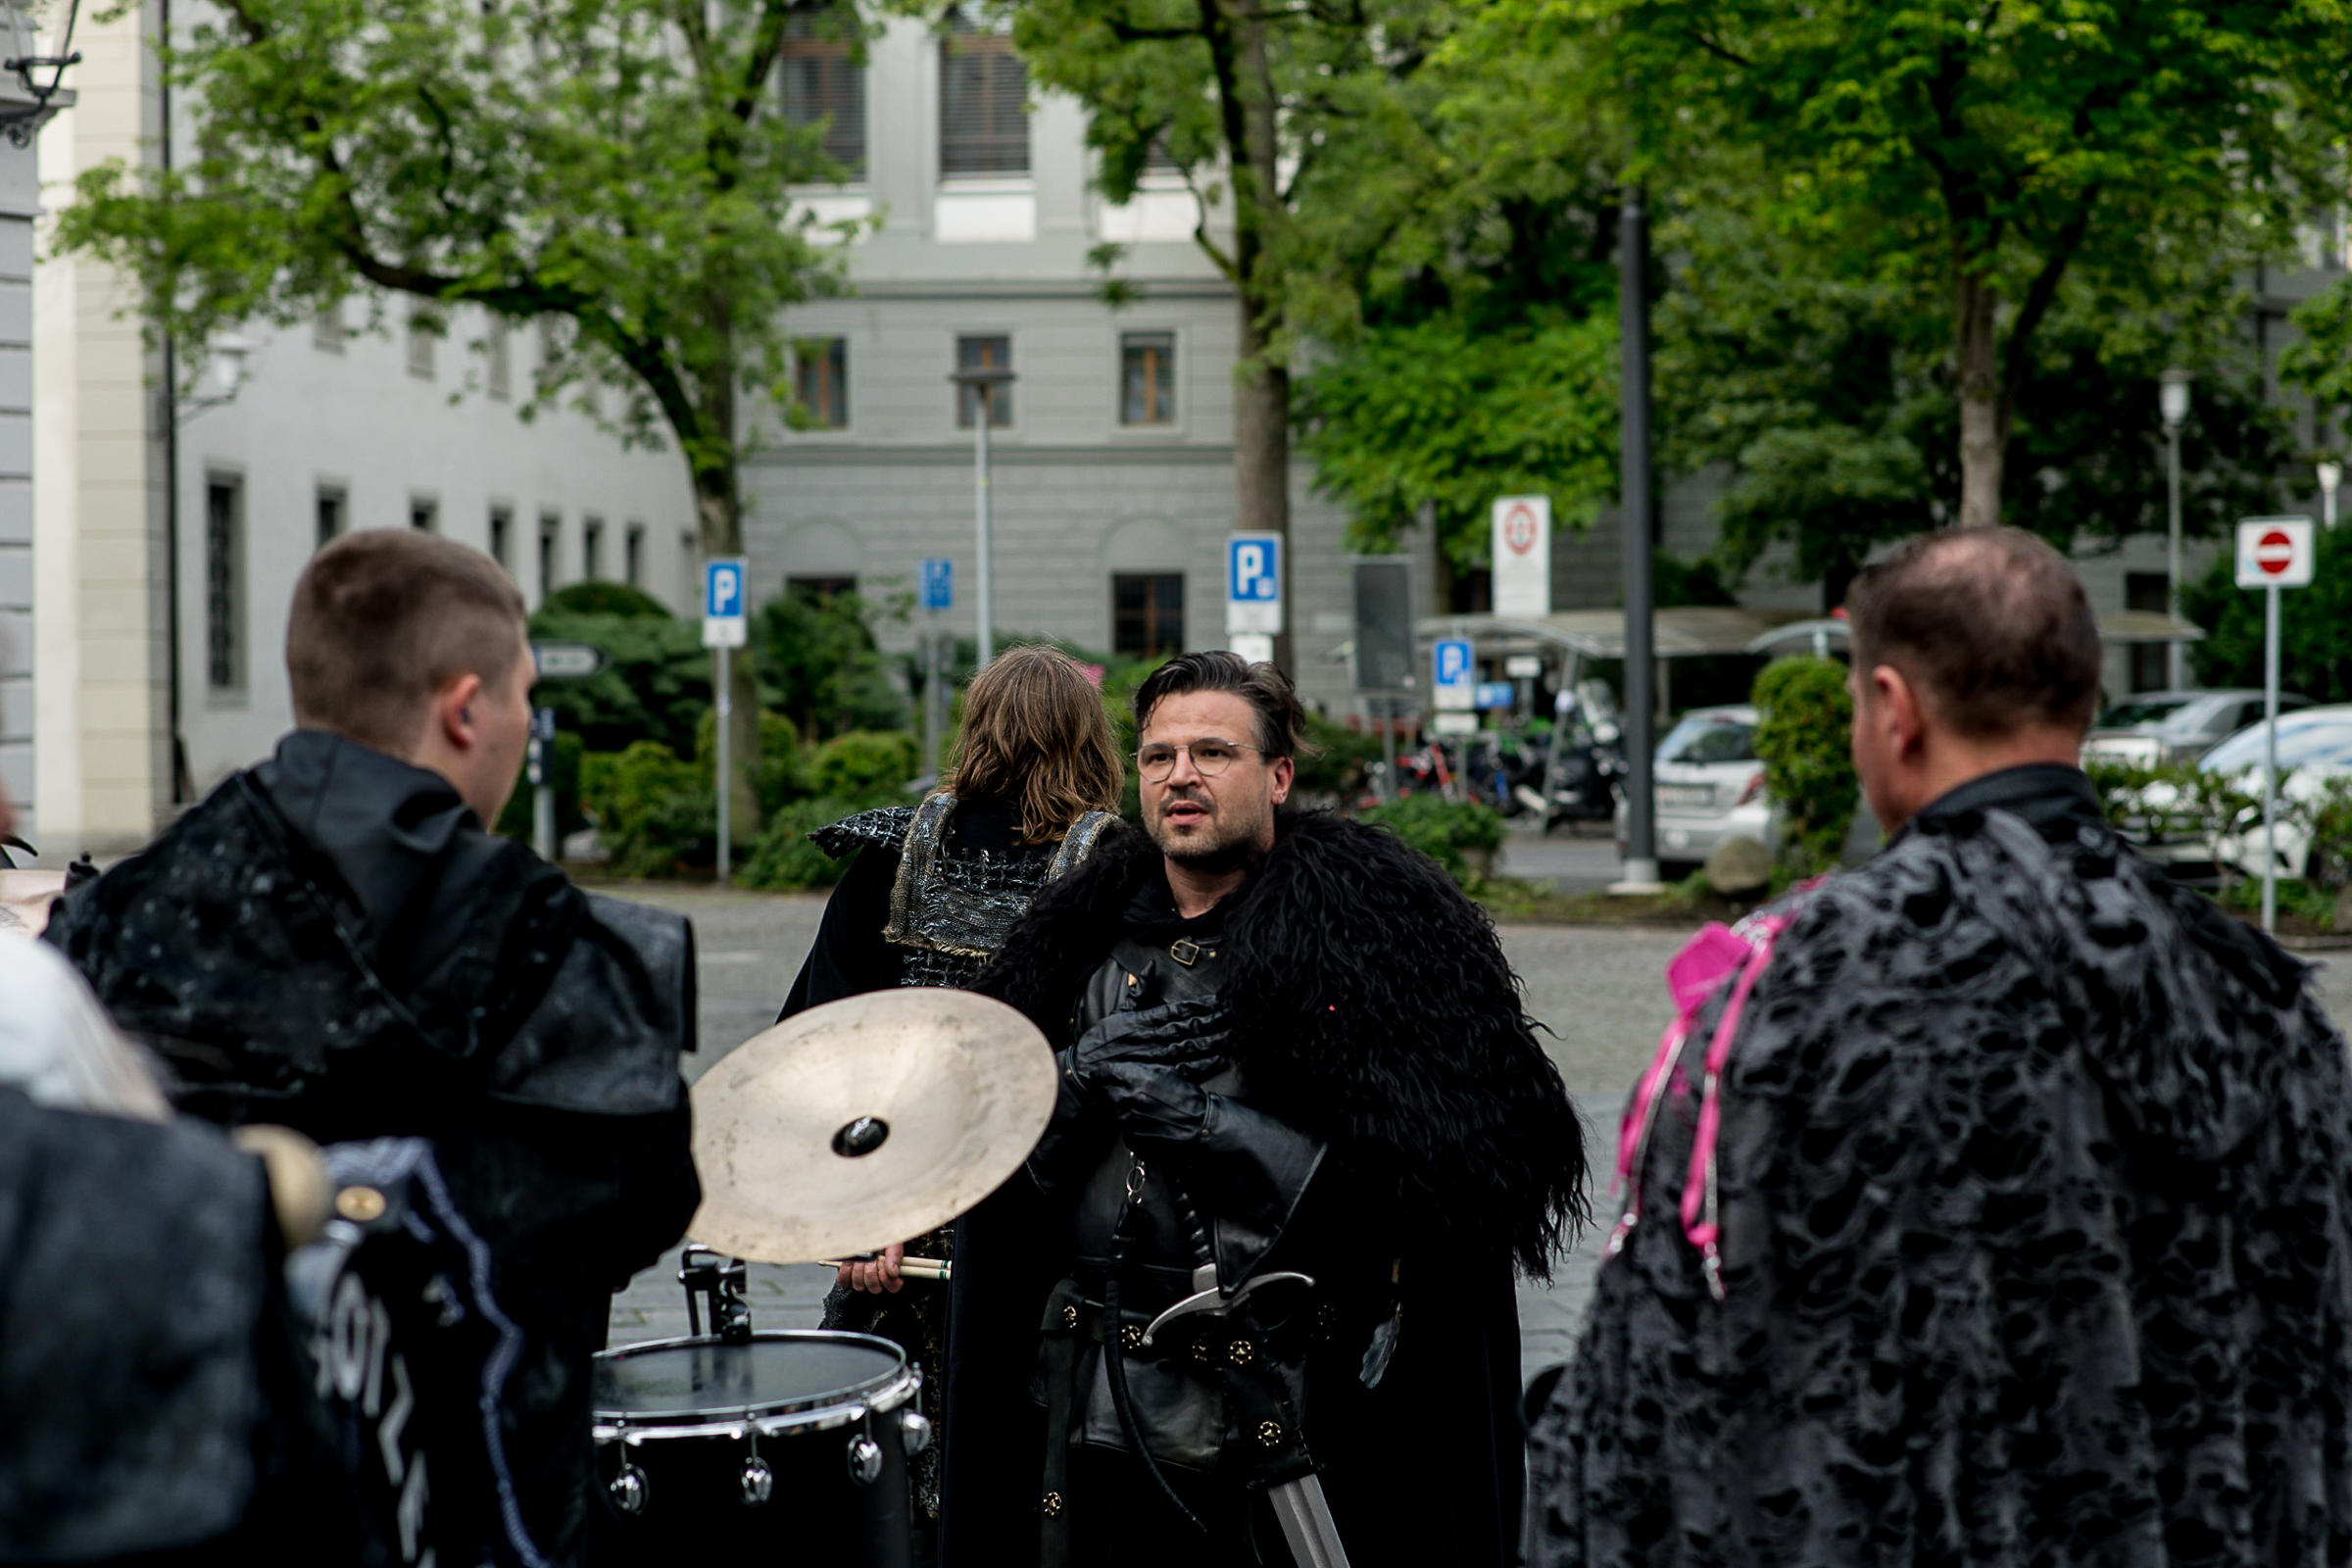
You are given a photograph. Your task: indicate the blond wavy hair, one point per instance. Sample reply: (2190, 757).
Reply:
(1035, 736)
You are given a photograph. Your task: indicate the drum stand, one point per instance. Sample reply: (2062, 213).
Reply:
(719, 1279)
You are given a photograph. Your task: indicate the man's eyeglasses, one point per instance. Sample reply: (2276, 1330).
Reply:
(1211, 758)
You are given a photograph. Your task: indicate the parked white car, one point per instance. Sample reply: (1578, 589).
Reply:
(2315, 747)
(2156, 727)
(1710, 786)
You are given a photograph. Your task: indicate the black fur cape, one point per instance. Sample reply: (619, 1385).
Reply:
(1375, 1010)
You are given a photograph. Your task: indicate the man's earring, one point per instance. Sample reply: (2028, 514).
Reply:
(465, 716)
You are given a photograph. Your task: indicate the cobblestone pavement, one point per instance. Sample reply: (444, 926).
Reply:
(1600, 991)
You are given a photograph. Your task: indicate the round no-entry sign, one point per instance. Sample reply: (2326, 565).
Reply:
(2274, 552)
(1519, 527)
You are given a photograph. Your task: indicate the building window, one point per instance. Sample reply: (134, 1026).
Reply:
(424, 515)
(424, 330)
(632, 557)
(2150, 661)
(502, 535)
(551, 526)
(978, 353)
(329, 512)
(1147, 615)
(822, 381)
(823, 83)
(1148, 378)
(502, 359)
(983, 108)
(592, 548)
(224, 585)
(327, 330)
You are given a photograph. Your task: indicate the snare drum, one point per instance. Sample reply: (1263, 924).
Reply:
(792, 1443)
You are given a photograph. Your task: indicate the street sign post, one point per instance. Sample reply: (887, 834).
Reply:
(2272, 553)
(1522, 556)
(542, 773)
(725, 626)
(938, 593)
(1454, 686)
(1253, 594)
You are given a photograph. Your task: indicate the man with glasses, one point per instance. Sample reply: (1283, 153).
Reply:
(1261, 1262)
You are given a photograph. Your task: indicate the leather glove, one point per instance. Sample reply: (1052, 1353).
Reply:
(1194, 1037)
(1246, 1170)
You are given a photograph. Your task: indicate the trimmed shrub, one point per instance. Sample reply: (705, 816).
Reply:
(786, 859)
(655, 814)
(596, 597)
(1804, 739)
(864, 765)
(656, 683)
(1444, 830)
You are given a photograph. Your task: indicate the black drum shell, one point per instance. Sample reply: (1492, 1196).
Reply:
(694, 1496)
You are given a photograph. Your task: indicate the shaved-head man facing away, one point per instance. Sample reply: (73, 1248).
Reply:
(1988, 1203)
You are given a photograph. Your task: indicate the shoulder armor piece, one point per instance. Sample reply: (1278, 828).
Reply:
(885, 826)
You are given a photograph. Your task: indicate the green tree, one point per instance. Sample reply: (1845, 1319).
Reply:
(619, 170)
(1826, 403)
(1255, 106)
(1979, 158)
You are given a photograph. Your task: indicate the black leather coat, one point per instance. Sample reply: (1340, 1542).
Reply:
(330, 941)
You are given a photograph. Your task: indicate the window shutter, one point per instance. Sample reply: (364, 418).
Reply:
(982, 94)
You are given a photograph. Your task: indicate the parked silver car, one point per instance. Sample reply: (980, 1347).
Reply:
(1710, 786)
(2157, 727)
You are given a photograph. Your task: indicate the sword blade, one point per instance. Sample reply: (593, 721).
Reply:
(1306, 1523)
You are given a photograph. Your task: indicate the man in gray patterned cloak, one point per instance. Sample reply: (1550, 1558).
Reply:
(1990, 1204)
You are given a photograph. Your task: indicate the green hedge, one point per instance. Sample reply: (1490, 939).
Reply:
(1441, 829)
(1804, 739)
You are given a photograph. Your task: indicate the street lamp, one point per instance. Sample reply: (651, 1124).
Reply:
(222, 378)
(2332, 474)
(2172, 398)
(980, 382)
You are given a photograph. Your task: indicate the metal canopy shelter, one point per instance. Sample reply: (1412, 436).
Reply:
(1688, 631)
(2121, 627)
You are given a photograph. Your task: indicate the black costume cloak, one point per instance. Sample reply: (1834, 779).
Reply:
(2033, 1189)
(146, 1366)
(331, 941)
(1372, 1009)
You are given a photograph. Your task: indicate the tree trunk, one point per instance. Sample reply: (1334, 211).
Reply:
(1261, 413)
(718, 505)
(1983, 441)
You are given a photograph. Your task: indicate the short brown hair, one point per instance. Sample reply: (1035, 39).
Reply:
(1281, 721)
(385, 618)
(1990, 623)
(1035, 736)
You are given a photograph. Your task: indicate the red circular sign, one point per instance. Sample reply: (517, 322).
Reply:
(1519, 530)
(2274, 552)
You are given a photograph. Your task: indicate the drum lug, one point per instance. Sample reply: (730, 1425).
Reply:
(758, 1481)
(865, 1460)
(630, 1490)
(917, 1428)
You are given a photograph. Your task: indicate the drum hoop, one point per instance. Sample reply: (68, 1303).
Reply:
(772, 1418)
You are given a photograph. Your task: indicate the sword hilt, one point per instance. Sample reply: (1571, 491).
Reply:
(1205, 1253)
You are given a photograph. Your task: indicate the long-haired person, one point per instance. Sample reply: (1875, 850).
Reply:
(1035, 777)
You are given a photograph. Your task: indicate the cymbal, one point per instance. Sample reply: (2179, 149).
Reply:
(25, 898)
(865, 1121)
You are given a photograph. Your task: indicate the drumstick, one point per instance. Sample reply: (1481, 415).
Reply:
(913, 1268)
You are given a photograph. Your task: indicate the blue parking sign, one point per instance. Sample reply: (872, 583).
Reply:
(722, 589)
(1254, 584)
(939, 583)
(1456, 685)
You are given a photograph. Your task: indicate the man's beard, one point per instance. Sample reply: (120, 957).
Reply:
(1221, 844)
